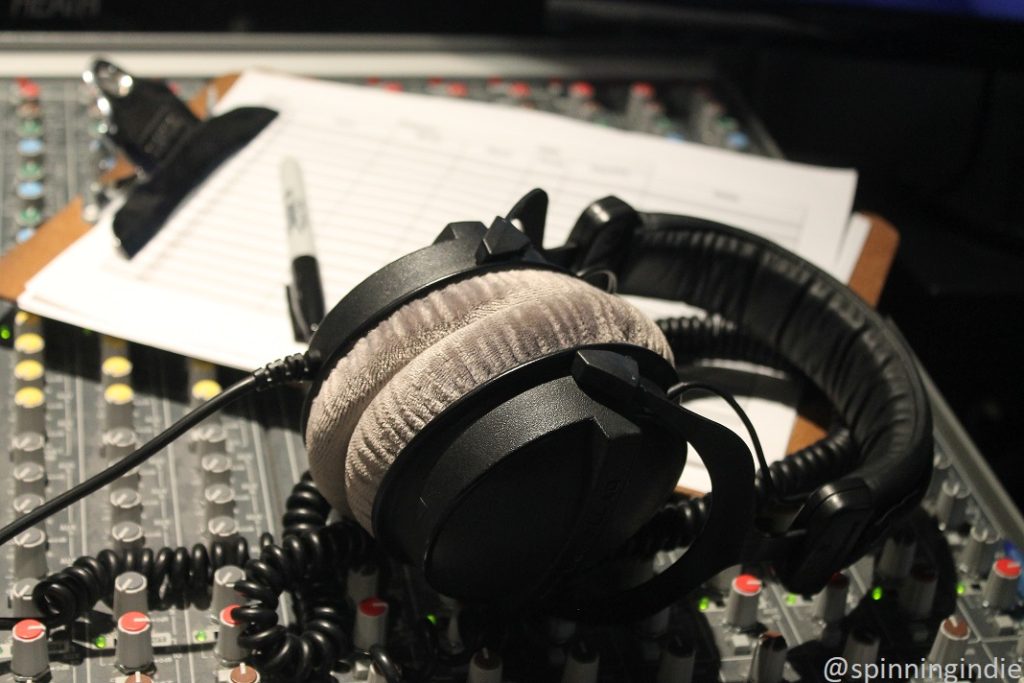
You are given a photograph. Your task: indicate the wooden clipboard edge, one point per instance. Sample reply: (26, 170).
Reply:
(23, 261)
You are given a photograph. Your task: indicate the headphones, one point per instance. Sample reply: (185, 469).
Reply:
(496, 420)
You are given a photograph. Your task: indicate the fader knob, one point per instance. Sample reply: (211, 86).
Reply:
(130, 593)
(582, 664)
(830, 603)
(1000, 591)
(951, 507)
(224, 593)
(30, 410)
(30, 554)
(216, 469)
(861, 647)
(950, 641)
(227, 647)
(120, 406)
(28, 447)
(20, 598)
(29, 373)
(29, 477)
(677, 660)
(741, 605)
(134, 649)
(485, 667)
(30, 656)
(371, 623)
(917, 594)
(897, 556)
(125, 505)
(979, 552)
(769, 659)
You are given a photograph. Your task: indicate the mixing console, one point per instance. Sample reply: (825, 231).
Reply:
(945, 585)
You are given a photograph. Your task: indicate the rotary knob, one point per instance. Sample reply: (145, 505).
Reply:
(29, 373)
(222, 528)
(216, 469)
(861, 647)
(20, 599)
(582, 664)
(27, 323)
(29, 477)
(210, 438)
(677, 660)
(371, 623)
(741, 605)
(204, 390)
(224, 593)
(130, 593)
(951, 507)
(30, 554)
(980, 551)
(29, 346)
(30, 410)
(950, 641)
(769, 659)
(128, 535)
(362, 582)
(220, 501)
(125, 505)
(28, 447)
(228, 648)
(119, 442)
(897, 556)
(120, 406)
(26, 503)
(243, 673)
(116, 370)
(918, 592)
(30, 656)
(1000, 591)
(134, 648)
(830, 604)
(485, 667)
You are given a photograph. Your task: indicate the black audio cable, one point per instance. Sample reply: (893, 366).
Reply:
(296, 367)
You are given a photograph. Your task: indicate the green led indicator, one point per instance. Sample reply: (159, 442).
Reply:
(100, 642)
(200, 636)
(5, 332)
(432, 618)
(704, 603)
(876, 593)
(961, 589)
(791, 599)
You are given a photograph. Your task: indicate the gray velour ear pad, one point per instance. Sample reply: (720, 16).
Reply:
(436, 349)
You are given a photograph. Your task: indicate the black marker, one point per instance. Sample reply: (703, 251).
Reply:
(305, 293)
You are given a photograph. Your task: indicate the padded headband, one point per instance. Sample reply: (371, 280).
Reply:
(820, 326)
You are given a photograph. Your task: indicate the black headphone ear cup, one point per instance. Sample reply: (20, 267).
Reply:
(501, 320)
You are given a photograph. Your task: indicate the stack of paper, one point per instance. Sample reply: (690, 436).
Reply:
(384, 173)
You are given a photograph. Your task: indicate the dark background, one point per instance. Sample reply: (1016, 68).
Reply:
(928, 106)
